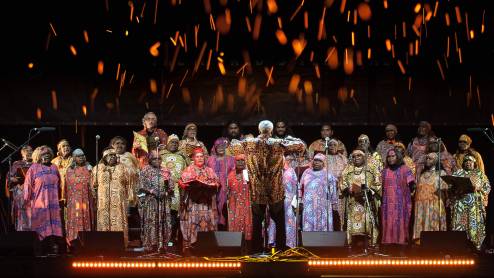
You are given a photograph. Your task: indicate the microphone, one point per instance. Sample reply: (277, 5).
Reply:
(477, 129)
(45, 128)
(326, 142)
(9, 144)
(97, 137)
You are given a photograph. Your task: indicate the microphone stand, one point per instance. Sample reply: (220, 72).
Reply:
(439, 179)
(328, 193)
(297, 196)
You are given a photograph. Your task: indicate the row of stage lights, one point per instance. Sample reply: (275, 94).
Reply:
(181, 265)
(237, 265)
(409, 262)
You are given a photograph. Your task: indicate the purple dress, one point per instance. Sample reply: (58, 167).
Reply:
(320, 198)
(396, 207)
(290, 183)
(221, 167)
(41, 188)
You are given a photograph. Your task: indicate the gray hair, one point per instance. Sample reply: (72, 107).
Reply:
(263, 125)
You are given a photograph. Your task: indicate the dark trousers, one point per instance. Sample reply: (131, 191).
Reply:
(277, 213)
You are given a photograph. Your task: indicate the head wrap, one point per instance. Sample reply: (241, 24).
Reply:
(363, 137)
(465, 138)
(77, 152)
(469, 157)
(197, 151)
(219, 142)
(332, 140)
(108, 152)
(172, 137)
(187, 127)
(240, 157)
(265, 125)
(320, 157)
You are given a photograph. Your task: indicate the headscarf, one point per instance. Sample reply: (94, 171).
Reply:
(172, 137)
(77, 152)
(187, 127)
(363, 137)
(197, 151)
(466, 138)
(320, 157)
(108, 152)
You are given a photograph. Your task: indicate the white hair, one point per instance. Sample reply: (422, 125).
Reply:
(263, 125)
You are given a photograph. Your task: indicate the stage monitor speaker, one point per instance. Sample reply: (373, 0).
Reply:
(20, 244)
(95, 243)
(218, 243)
(445, 243)
(325, 243)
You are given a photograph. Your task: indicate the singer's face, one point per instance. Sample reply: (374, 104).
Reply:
(198, 159)
(240, 164)
(390, 132)
(469, 165)
(150, 121)
(429, 161)
(27, 154)
(326, 131)
(172, 146)
(111, 159)
(422, 130)
(463, 145)
(155, 162)
(363, 143)
(280, 128)
(119, 146)
(358, 159)
(80, 160)
(391, 159)
(233, 130)
(192, 132)
(333, 148)
(65, 149)
(317, 164)
(46, 158)
(221, 149)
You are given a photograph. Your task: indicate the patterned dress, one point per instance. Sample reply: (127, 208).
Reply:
(318, 146)
(62, 164)
(18, 212)
(459, 159)
(79, 201)
(156, 225)
(468, 212)
(41, 188)
(114, 194)
(175, 163)
(336, 164)
(199, 213)
(132, 164)
(430, 212)
(290, 182)
(358, 215)
(221, 167)
(320, 198)
(239, 209)
(152, 144)
(396, 206)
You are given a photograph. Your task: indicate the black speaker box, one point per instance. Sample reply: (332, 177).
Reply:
(214, 244)
(95, 243)
(325, 243)
(445, 243)
(20, 244)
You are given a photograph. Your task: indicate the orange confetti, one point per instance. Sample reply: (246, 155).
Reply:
(73, 50)
(402, 68)
(242, 86)
(118, 71)
(320, 30)
(280, 35)
(201, 54)
(86, 36)
(308, 87)
(332, 58)
(472, 34)
(446, 18)
(369, 54)
(306, 20)
(221, 67)
(348, 64)
(211, 22)
(297, 10)
(101, 67)
(394, 100)
(318, 72)
(342, 94)
(54, 100)
(298, 46)
(131, 6)
(342, 6)
(440, 69)
(223, 24)
(482, 27)
(269, 74)
(257, 27)
(39, 113)
(293, 84)
(353, 38)
(359, 58)
(492, 119)
(458, 14)
(153, 86)
(364, 11)
(186, 95)
(53, 30)
(247, 23)
(30, 65)
(183, 78)
(385, 3)
(388, 45)
(272, 6)
(459, 55)
(84, 110)
(209, 59)
(417, 8)
(435, 8)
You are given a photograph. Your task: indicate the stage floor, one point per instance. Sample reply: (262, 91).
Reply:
(246, 266)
